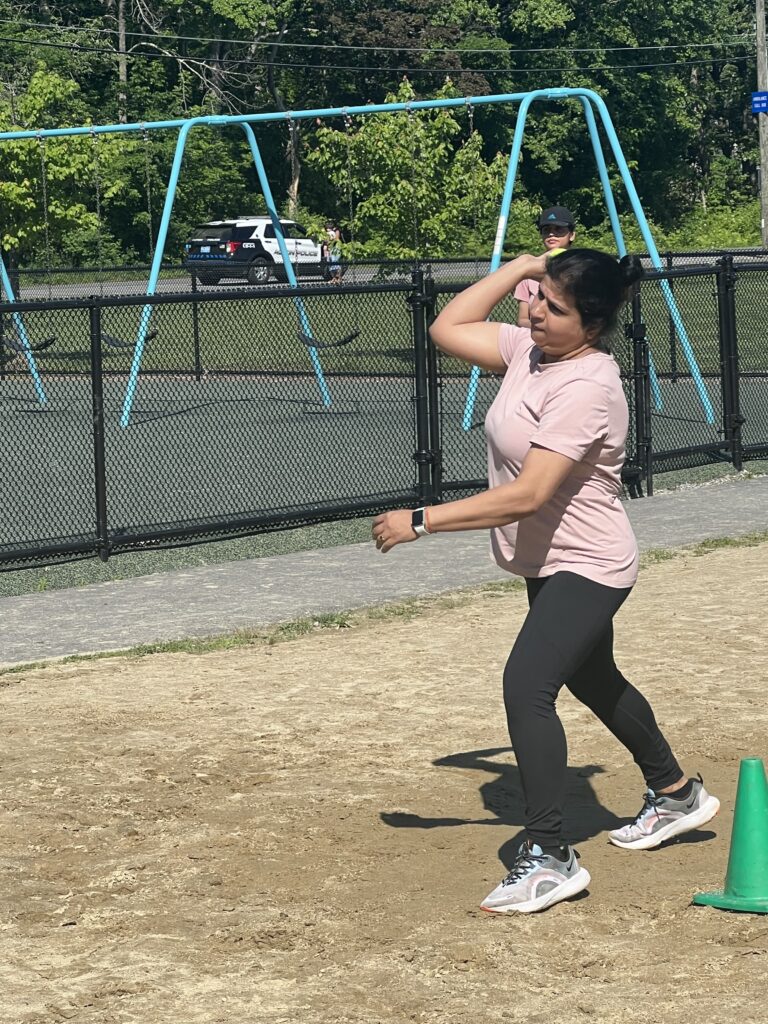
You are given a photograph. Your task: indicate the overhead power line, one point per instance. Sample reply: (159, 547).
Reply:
(149, 37)
(253, 62)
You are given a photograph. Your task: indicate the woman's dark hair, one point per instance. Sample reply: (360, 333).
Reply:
(598, 284)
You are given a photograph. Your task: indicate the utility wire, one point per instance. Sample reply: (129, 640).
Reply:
(251, 62)
(742, 41)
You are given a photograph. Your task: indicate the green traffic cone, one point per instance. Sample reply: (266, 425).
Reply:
(746, 880)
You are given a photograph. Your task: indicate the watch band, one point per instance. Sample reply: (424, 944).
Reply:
(419, 522)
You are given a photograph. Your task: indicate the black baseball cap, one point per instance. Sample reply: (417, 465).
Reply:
(557, 215)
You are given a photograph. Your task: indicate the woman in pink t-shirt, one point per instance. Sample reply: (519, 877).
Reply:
(556, 434)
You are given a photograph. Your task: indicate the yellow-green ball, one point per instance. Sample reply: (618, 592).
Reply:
(554, 252)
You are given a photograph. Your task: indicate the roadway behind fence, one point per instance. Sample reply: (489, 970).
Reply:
(231, 433)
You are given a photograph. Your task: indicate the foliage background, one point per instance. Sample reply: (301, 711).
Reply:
(676, 77)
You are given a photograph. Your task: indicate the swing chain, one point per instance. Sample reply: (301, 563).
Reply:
(350, 200)
(414, 157)
(473, 181)
(97, 186)
(46, 225)
(148, 189)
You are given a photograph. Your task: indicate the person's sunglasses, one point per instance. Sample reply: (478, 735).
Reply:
(554, 229)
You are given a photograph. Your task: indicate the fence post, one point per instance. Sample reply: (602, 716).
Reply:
(196, 328)
(729, 358)
(641, 382)
(423, 456)
(99, 445)
(2, 344)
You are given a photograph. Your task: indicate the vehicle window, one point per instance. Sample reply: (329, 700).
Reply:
(293, 230)
(242, 234)
(269, 231)
(213, 234)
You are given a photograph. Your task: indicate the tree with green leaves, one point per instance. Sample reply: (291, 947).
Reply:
(415, 182)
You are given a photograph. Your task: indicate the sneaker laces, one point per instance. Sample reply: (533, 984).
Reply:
(650, 806)
(525, 862)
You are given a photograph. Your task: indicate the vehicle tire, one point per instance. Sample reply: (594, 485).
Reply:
(208, 278)
(260, 271)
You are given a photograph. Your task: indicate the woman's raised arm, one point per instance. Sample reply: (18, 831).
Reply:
(462, 328)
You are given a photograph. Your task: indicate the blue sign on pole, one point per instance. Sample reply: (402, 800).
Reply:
(760, 102)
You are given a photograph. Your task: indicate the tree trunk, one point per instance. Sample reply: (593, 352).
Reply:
(293, 156)
(293, 145)
(122, 65)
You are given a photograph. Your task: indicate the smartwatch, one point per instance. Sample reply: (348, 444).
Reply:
(418, 522)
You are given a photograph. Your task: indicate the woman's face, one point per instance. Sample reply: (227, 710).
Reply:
(555, 236)
(556, 326)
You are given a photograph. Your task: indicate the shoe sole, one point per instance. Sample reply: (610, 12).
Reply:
(689, 823)
(573, 885)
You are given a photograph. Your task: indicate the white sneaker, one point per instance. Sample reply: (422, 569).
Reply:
(536, 881)
(662, 818)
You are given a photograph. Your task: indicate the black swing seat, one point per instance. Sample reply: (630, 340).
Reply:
(114, 342)
(314, 343)
(18, 349)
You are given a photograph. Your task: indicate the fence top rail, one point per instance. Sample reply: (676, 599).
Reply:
(200, 298)
(405, 262)
(757, 265)
(698, 270)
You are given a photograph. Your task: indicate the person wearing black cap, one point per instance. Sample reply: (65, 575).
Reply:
(557, 228)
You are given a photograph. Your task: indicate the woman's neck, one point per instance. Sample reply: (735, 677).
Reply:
(577, 353)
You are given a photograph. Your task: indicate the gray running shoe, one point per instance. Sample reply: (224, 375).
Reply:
(662, 818)
(536, 881)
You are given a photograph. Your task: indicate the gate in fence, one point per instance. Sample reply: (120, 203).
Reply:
(230, 435)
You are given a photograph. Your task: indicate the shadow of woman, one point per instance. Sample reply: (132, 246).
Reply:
(502, 795)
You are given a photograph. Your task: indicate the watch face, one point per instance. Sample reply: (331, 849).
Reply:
(417, 517)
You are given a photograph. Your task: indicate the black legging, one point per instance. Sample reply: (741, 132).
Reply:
(567, 639)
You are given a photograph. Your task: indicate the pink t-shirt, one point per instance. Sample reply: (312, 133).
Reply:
(527, 290)
(575, 407)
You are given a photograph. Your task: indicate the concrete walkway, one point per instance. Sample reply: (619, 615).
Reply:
(264, 592)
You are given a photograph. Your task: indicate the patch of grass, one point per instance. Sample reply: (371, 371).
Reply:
(655, 555)
(749, 540)
(676, 479)
(502, 586)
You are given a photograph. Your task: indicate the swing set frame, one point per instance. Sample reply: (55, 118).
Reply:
(591, 103)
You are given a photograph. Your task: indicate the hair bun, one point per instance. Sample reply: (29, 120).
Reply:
(631, 269)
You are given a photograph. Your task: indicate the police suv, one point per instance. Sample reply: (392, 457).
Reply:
(247, 248)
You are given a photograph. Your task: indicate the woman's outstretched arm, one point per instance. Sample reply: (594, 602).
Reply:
(543, 471)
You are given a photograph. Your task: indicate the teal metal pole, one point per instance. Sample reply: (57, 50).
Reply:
(613, 216)
(287, 265)
(157, 259)
(295, 115)
(498, 245)
(23, 336)
(634, 199)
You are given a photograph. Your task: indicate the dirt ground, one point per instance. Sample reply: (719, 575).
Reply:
(303, 832)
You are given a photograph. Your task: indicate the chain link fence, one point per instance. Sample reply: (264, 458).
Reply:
(263, 408)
